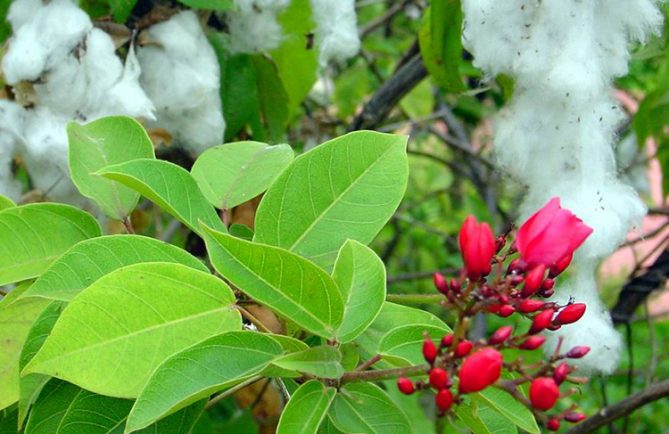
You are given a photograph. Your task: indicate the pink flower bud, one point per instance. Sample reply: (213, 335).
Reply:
(447, 340)
(548, 284)
(577, 352)
(570, 314)
(429, 350)
(506, 310)
(477, 245)
(573, 417)
(455, 286)
(533, 280)
(405, 386)
(553, 424)
(550, 234)
(542, 321)
(440, 283)
(544, 393)
(529, 305)
(480, 370)
(438, 378)
(501, 335)
(532, 342)
(444, 400)
(560, 265)
(463, 348)
(561, 372)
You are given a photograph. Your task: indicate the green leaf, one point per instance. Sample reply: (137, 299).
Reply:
(195, 373)
(295, 60)
(34, 235)
(306, 409)
(481, 419)
(170, 187)
(31, 385)
(135, 318)
(16, 318)
(9, 421)
(121, 9)
(440, 43)
(403, 345)
(241, 231)
(323, 362)
(361, 278)
(234, 173)
(289, 344)
(6, 202)
(272, 98)
(365, 408)
(101, 143)
(217, 5)
(345, 188)
(91, 259)
(291, 286)
(510, 408)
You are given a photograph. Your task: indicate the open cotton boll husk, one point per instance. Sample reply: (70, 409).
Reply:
(336, 30)
(253, 25)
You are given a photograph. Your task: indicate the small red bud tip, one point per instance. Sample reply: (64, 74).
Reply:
(444, 400)
(516, 280)
(463, 348)
(494, 308)
(533, 280)
(577, 352)
(480, 370)
(570, 314)
(548, 284)
(447, 341)
(477, 245)
(544, 393)
(529, 305)
(561, 372)
(542, 321)
(547, 293)
(553, 424)
(517, 265)
(532, 343)
(501, 335)
(455, 285)
(438, 378)
(429, 350)
(405, 386)
(560, 265)
(500, 242)
(506, 311)
(574, 417)
(440, 283)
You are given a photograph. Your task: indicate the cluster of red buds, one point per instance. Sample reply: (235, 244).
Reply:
(508, 278)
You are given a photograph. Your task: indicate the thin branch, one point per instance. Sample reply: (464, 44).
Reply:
(255, 321)
(380, 21)
(384, 374)
(216, 399)
(622, 408)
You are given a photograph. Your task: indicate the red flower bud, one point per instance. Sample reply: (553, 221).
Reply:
(516, 280)
(542, 321)
(546, 293)
(577, 352)
(553, 424)
(501, 335)
(463, 348)
(440, 283)
(560, 265)
(477, 245)
(570, 314)
(532, 343)
(494, 308)
(544, 393)
(574, 417)
(438, 378)
(500, 242)
(529, 305)
(550, 234)
(506, 311)
(533, 280)
(405, 385)
(548, 284)
(447, 340)
(560, 373)
(429, 350)
(480, 370)
(455, 285)
(444, 400)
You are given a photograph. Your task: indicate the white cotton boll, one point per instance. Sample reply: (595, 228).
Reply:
(126, 95)
(253, 25)
(336, 30)
(12, 119)
(21, 11)
(181, 76)
(52, 33)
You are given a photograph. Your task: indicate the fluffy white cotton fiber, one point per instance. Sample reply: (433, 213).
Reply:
(181, 75)
(556, 135)
(253, 25)
(336, 30)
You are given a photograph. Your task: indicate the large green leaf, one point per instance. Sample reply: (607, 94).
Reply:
(121, 9)
(272, 98)
(6, 202)
(288, 284)
(508, 407)
(169, 186)
(231, 174)
(91, 259)
(345, 188)
(481, 419)
(31, 385)
(197, 372)
(306, 409)
(101, 143)
(16, 318)
(365, 408)
(118, 330)
(32, 236)
(361, 277)
(64, 408)
(403, 345)
(323, 361)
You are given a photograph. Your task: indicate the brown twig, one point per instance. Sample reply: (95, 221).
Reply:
(255, 321)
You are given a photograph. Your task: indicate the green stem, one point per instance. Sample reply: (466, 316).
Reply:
(384, 374)
(415, 298)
